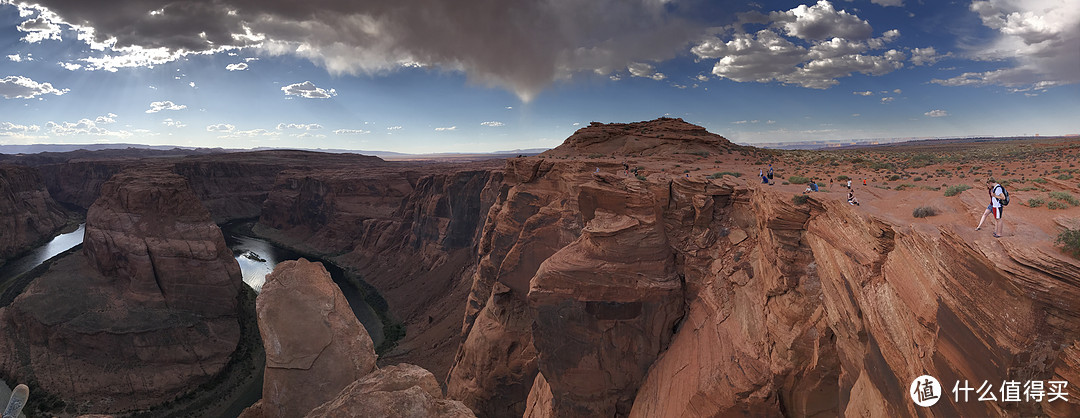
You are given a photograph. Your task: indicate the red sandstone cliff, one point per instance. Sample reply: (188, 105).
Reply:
(320, 361)
(147, 312)
(28, 214)
(722, 298)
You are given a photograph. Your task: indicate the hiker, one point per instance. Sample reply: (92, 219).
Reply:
(998, 200)
(626, 168)
(851, 198)
(849, 184)
(813, 185)
(764, 180)
(864, 181)
(597, 170)
(770, 171)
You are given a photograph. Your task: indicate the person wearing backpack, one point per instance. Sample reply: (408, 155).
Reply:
(999, 198)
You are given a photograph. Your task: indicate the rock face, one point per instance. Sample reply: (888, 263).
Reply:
(404, 390)
(320, 360)
(28, 214)
(314, 344)
(149, 229)
(147, 312)
(411, 234)
(600, 294)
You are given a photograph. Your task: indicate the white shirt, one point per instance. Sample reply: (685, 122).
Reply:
(993, 199)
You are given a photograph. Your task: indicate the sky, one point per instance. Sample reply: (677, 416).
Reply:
(422, 76)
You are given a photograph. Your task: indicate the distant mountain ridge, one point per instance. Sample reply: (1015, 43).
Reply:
(60, 148)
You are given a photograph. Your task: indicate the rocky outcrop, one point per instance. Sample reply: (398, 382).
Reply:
(405, 391)
(660, 137)
(28, 214)
(147, 312)
(320, 360)
(410, 234)
(314, 344)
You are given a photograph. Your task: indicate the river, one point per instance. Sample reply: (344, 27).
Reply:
(257, 258)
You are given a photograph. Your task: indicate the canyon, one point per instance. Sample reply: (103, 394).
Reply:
(614, 275)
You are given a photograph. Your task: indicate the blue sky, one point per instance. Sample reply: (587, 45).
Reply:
(487, 75)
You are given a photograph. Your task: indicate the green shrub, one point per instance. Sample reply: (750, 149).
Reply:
(1053, 204)
(894, 177)
(842, 178)
(917, 178)
(1065, 197)
(1069, 241)
(1038, 180)
(924, 211)
(798, 199)
(905, 186)
(956, 189)
(724, 173)
(641, 177)
(1063, 177)
(1036, 202)
(799, 180)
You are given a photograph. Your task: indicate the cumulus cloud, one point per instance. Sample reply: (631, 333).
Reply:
(863, 93)
(19, 87)
(376, 36)
(821, 21)
(448, 128)
(640, 69)
(84, 127)
(70, 66)
(885, 100)
(298, 126)
(936, 113)
(393, 128)
(492, 124)
(809, 46)
(107, 119)
(15, 57)
(165, 105)
(11, 128)
(240, 66)
(1036, 38)
(220, 127)
(308, 90)
(351, 132)
(46, 26)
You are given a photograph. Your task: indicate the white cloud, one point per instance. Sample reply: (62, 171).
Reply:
(887, 99)
(898, 91)
(43, 27)
(173, 123)
(820, 46)
(308, 90)
(640, 69)
(11, 128)
(449, 128)
(298, 126)
(308, 135)
(821, 21)
(491, 124)
(220, 127)
(15, 57)
(165, 105)
(863, 93)
(240, 66)
(926, 56)
(351, 132)
(84, 127)
(107, 119)
(19, 87)
(936, 113)
(1036, 39)
(393, 128)
(70, 66)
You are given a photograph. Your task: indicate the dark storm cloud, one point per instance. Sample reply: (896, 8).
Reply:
(519, 45)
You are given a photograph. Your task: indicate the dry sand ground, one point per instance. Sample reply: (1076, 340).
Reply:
(902, 177)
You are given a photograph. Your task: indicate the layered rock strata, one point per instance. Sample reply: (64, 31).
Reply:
(146, 312)
(28, 214)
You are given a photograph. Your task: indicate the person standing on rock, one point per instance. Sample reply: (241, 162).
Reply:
(770, 172)
(849, 184)
(997, 194)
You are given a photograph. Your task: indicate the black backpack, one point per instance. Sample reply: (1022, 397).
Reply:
(1005, 201)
